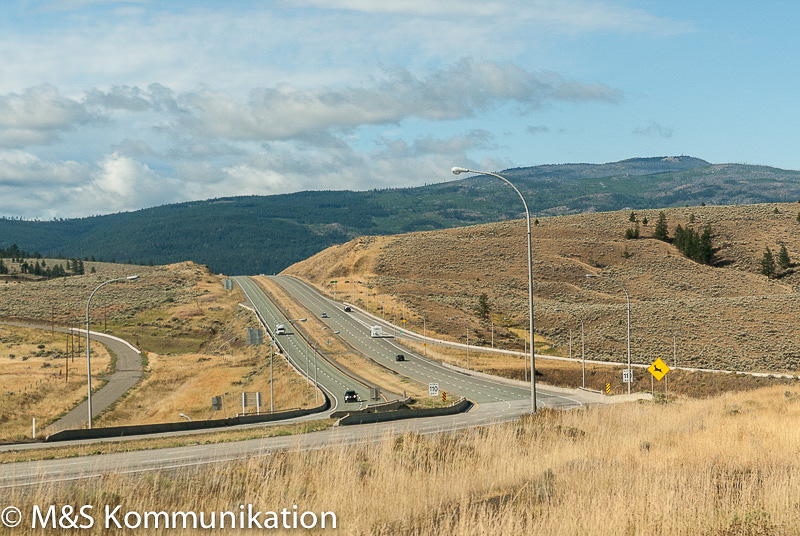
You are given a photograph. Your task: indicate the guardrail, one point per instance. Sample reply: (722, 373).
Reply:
(182, 426)
(374, 408)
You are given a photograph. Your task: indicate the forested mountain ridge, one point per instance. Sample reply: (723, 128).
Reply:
(254, 234)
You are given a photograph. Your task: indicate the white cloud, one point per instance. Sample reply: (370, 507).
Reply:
(26, 170)
(468, 87)
(38, 116)
(569, 16)
(653, 129)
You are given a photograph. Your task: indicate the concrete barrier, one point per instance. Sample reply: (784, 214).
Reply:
(386, 406)
(183, 426)
(365, 418)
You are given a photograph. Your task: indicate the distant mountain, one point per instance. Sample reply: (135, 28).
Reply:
(256, 234)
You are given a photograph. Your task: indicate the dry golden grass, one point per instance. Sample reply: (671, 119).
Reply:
(33, 382)
(185, 382)
(191, 327)
(725, 466)
(728, 316)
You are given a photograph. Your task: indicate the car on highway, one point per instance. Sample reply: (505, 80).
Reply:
(399, 357)
(280, 329)
(350, 396)
(347, 309)
(324, 315)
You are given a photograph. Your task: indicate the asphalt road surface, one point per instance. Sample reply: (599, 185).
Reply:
(127, 373)
(496, 401)
(356, 331)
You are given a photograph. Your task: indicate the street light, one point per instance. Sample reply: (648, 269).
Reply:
(316, 385)
(583, 346)
(88, 351)
(456, 171)
(628, 301)
(308, 376)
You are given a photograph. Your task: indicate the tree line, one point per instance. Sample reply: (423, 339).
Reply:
(694, 245)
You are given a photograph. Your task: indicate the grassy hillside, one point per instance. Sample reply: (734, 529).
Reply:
(266, 234)
(722, 316)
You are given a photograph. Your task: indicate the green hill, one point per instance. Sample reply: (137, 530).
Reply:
(256, 234)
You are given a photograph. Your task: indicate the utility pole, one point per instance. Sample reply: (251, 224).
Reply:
(466, 324)
(525, 343)
(424, 338)
(271, 383)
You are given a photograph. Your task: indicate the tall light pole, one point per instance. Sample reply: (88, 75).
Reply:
(308, 373)
(583, 346)
(88, 351)
(316, 385)
(628, 301)
(456, 171)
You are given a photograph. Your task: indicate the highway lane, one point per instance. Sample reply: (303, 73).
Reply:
(301, 352)
(195, 456)
(356, 331)
(496, 402)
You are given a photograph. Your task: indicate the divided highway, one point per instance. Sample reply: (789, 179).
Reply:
(356, 332)
(497, 401)
(301, 353)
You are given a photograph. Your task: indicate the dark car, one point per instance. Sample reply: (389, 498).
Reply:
(350, 396)
(399, 357)
(347, 309)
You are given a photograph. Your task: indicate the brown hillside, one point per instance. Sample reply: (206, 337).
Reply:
(723, 316)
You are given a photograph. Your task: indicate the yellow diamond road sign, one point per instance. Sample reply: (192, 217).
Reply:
(658, 369)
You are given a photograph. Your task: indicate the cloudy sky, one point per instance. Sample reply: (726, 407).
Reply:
(110, 105)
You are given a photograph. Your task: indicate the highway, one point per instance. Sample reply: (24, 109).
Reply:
(196, 456)
(356, 331)
(496, 401)
(300, 353)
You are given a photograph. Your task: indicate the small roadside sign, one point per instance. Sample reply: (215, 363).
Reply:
(627, 376)
(444, 396)
(608, 388)
(433, 389)
(658, 369)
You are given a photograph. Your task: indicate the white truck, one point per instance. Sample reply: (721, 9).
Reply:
(280, 329)
(377, 331)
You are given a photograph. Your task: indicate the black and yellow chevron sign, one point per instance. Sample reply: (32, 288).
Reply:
(444, 396)
(608, 388)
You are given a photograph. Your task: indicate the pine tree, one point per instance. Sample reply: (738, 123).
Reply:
(483, 306)
(632, 217)
(706, 250)
(680, 238)
(783, 258)
(768, 264)
(661, 231)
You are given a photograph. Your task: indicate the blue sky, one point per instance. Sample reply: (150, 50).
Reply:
(118, 105)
